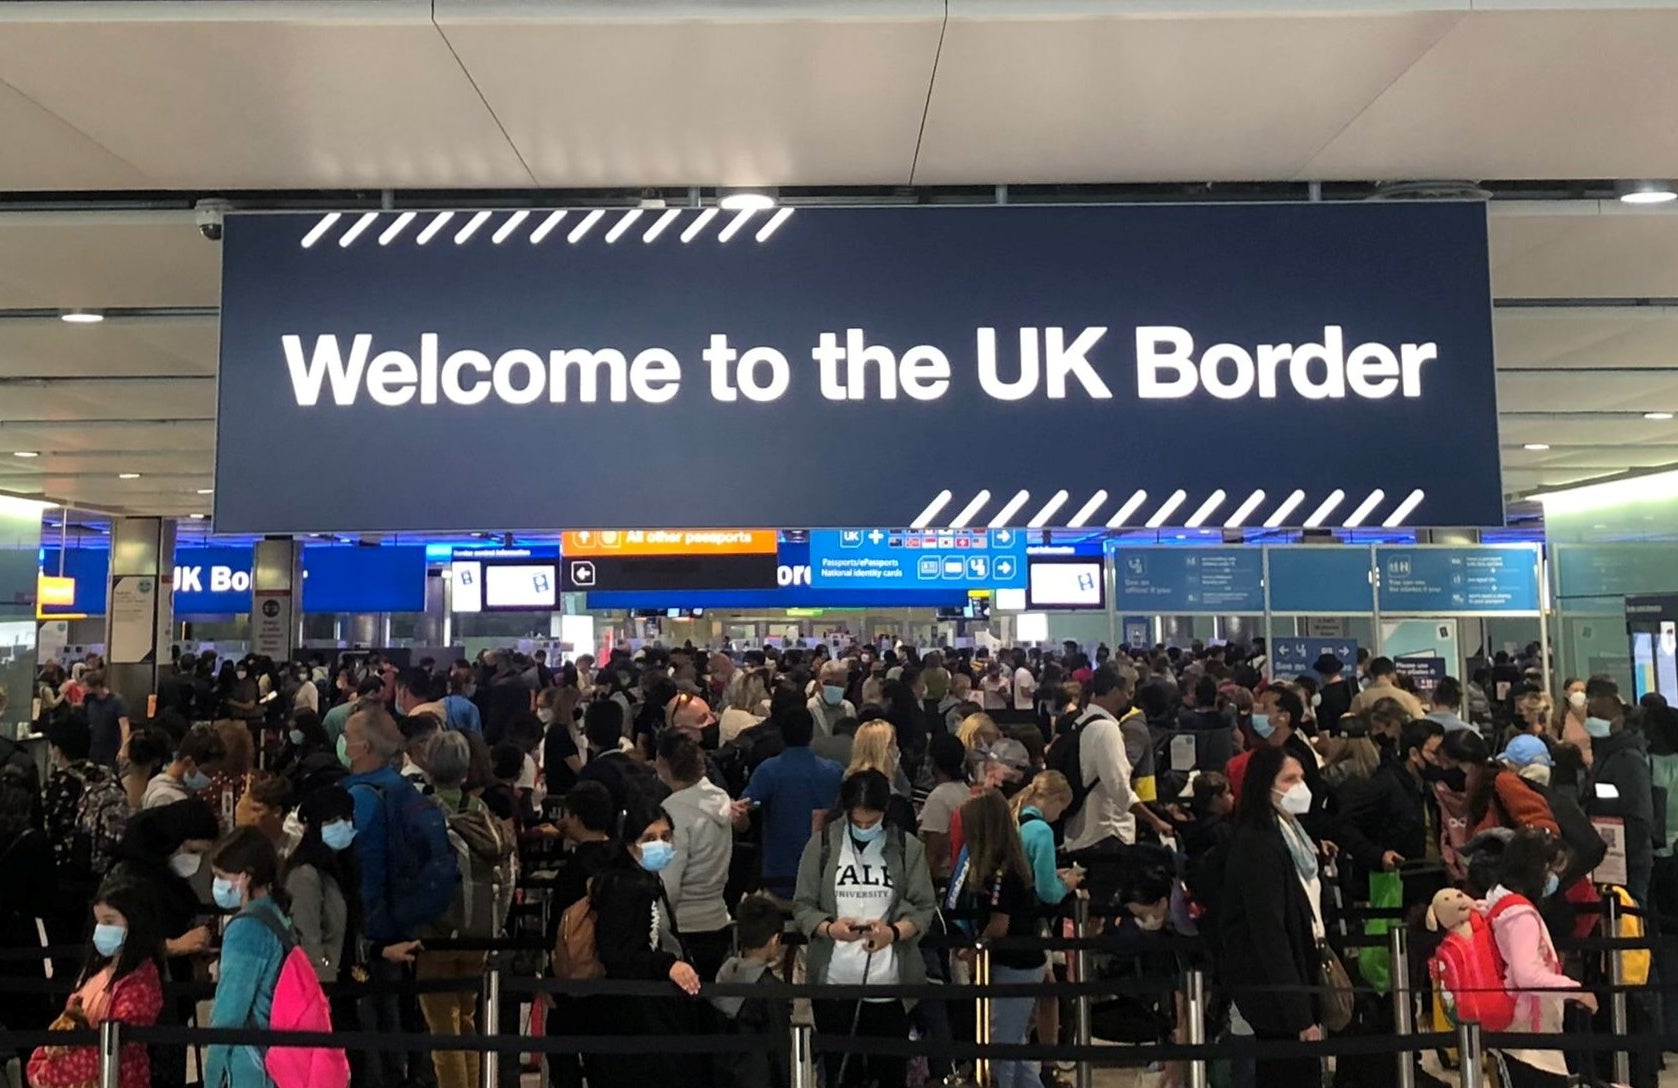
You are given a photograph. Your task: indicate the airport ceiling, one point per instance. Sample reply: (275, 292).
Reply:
(116, 117)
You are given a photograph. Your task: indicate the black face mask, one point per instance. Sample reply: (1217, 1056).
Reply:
(1453, 778)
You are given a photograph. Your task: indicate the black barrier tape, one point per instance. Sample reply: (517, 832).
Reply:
(506, 1044)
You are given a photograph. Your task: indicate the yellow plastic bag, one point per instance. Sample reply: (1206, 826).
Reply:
(1634, 962)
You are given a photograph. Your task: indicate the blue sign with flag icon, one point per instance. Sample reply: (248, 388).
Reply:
(1292, 656)
(1180, 580)
(1441, 580)
(875, 559)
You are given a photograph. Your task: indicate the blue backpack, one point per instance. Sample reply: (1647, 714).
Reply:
(422, 872)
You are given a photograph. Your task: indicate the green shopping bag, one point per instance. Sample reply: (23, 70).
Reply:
(1375, 964)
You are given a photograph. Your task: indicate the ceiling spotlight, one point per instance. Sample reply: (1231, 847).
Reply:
(196, 517)
(746, 201)
(128, 475)
(25, 453)
(82, 317)
(206, 491)
(1657, 415)
(1645, 192)
(1536, 446)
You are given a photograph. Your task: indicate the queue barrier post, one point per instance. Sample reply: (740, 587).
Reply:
(110, 1054)
(1194, 1015)
(1082, 1027)
(803, 1057)
(1618, 1018)
(981, 1017)
(489, 1067)
(1404, 1003)
(1471, 1053)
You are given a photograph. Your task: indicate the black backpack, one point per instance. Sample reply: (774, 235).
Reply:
(1064, 755)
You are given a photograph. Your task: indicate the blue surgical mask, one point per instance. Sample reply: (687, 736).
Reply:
(868, 834)
(107, 939)
(338, 834)
(657, 855)
(1262, 726)
(833, 694)
(1551, 883)
(196, 781)
(1598, 727)
(296, 736)
(228, 895)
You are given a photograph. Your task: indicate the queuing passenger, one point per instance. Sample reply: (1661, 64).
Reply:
(1273, 723)
(120, 981)
(199, 755)
(81, 864)
(758, 933)
(700, 818)
(876, 749)
(1619, 784)
(1337, 695)
(107, 719)
(451, 1011)
(367, 694)
(1383, 684)
(1447, 702)
(864, 899)
(1497, 797)
(829, 706)
(958, 704)
(998, 878)
(1107, 812)
(949, 769)
(1023, 684)
(460, 713)
(26, 894)
(791, 788)
(263, 805)
(1270, 915)
(253, 947)
(747, 703)
(311, 761)
(635, 939)
(1527, 875)
(1569, 726)
(321, 881)
(997, 690)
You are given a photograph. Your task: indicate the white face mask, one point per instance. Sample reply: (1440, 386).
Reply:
(545, 714)
(1295, 800)
(186, 865)
(1151, 924)
(1576, 700)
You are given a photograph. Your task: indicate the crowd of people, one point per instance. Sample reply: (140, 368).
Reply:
(684, 816)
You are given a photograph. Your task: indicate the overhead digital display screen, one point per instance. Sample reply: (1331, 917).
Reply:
(1340, 333)
(520, 586)
(1065, 583)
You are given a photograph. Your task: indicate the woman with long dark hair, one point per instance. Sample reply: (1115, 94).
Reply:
(995, 874)
(1271, 918)
(121, 981)
(1497, 795)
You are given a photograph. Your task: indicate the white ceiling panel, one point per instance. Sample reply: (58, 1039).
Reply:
(150, 399)
(1586, 430)
(48, 347)
(1549, 94)
(716, 97)
(1617, 252)
(53, 150)
(115, 259)
(1587, 337)
(1616, 391)
(1062, 99)
(262, 95)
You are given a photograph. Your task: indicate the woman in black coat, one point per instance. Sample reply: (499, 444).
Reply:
(1269, 925)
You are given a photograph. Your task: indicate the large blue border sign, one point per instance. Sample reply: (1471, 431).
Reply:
(714, 343)
(1185, 580)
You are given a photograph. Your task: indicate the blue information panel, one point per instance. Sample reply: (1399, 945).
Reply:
(1292, 656)
(1442, 580)
(1160, 580)
(1320, 579)
(869, 559)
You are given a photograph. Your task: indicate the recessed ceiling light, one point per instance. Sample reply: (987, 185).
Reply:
(206, 491)
(196, 517)
(1657, 415)
(82, 317)
(25, 453)
(128, 475)
(1646, 192)
(746, 202)
(1536, 446)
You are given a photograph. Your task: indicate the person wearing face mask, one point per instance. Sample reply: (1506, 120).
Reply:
(637, 937)
(199, 756)
(864, 898)
(1275, 724)
(162, 852)
(1620, 782)
(121, 981)
(240, 696)
(829, 706)
(1527, 875)
(316, 876)
(1476, 794)
(1270, 916)
(253, 949)
(703, 835)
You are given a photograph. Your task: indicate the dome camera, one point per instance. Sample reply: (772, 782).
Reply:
(210, 215)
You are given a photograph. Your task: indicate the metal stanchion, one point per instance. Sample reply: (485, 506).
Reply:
(1194, 1015)
(803, 1057)
(1082, 1031)
(1618, 1018)
(489, 1069)
(982, 1075)
(110, 1054)
(1404, 1004)
(1472, 1055)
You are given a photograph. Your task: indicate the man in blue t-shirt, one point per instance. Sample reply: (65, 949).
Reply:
(792, 787)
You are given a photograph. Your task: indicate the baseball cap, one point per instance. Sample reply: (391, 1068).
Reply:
(1526, 750)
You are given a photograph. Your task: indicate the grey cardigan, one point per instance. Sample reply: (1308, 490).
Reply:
(912, 899)
(319, 918)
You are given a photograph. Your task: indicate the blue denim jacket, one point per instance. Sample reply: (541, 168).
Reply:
(251, 957)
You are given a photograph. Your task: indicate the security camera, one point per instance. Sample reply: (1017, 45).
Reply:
(210, 214)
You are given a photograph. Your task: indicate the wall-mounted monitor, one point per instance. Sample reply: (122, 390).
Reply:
(1065, 583)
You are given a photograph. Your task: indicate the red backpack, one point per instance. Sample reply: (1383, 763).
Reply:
(1469, 972)
(300, 1005)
